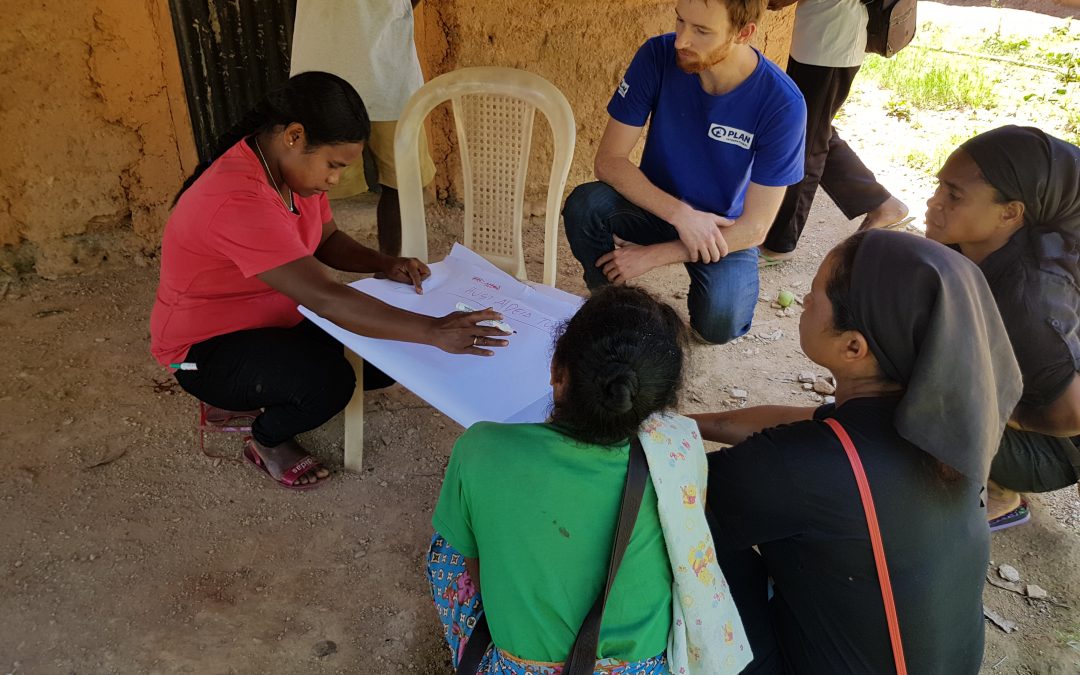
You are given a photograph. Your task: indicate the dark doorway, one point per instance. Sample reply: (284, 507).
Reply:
(231, 52)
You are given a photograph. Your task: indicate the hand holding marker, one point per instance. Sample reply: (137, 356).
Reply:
(501, 325)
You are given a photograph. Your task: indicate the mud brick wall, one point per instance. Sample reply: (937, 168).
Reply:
(97, 136)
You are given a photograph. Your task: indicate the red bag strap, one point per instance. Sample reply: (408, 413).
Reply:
(875, 542)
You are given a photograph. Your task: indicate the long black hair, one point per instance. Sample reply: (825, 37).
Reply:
(622, 357)
(327, 106)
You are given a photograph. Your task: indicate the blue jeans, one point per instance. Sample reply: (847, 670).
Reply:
(722, 295)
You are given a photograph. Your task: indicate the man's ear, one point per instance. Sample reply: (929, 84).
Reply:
(747, 32)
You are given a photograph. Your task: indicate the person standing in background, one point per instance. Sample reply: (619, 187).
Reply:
(370, 44)
(827, 49)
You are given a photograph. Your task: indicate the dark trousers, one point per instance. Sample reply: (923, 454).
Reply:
(298, 375)
(829, 161)
(722, 295)
(1031, 462)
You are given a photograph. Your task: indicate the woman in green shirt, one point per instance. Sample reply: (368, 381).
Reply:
(534, 506)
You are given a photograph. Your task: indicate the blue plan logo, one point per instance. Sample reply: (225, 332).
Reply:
(743, 139)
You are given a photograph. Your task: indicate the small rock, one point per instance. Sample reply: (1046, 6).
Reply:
(998, 620)
(18, 563)
(1008, 573)
(808, 386)
(816, 398)
(739, 393)
(385, 440)
(807, 377)
(382, 483)
(830, 400)
(100, 339)
(1037, 592)
(822, 386)
(679, 295)
(324, 648)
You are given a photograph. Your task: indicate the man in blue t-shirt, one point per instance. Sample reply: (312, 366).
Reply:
(725, 139)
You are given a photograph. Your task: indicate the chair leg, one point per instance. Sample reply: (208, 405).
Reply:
(354, 417)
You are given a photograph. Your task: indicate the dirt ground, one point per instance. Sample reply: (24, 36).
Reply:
(124, 550)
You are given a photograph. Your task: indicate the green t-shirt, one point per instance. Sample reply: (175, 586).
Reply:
(539, 510)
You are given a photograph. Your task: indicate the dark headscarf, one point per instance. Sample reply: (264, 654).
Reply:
(1028, 165)
(933, 326)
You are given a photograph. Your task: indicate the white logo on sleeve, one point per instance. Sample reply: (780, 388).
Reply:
(623, 88)
(743, 139)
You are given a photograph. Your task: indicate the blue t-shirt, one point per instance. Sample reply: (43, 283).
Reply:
(705, 149)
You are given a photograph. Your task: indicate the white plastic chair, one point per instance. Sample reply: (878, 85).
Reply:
(493, 111)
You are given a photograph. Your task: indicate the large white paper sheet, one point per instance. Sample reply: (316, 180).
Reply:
(513, 385)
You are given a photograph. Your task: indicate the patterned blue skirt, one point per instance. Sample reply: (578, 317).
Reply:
(459, 607)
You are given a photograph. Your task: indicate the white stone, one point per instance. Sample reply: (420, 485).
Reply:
(1008, 573)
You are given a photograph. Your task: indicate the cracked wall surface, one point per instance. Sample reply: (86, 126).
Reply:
(91, 155)
(581, 46)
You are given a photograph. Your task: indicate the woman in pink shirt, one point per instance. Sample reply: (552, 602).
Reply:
(250, 238)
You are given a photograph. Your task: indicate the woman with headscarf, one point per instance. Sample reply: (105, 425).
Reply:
(925, 381)
(1009, 200)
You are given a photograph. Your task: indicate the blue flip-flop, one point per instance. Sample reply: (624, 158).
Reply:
(1018, 516)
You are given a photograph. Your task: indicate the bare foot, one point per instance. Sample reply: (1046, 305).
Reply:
(284, 456)
(1000, 500)
(889, 213)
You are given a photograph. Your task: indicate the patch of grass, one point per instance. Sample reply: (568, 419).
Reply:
(999, 46)
(1072, 126)
(930, 162)
(929, 80)
(1068, 62)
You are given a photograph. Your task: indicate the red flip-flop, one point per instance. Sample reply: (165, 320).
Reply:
(291, 475)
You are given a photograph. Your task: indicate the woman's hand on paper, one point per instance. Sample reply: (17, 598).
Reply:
(458, 333)
(408, 271)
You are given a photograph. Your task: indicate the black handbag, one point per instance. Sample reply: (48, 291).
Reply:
(890, 25)
(582, 658)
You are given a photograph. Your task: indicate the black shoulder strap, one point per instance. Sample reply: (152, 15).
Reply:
(582, 658)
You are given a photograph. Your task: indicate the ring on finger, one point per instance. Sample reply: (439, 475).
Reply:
(475, 338)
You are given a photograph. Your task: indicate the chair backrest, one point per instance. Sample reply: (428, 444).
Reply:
(493, 113)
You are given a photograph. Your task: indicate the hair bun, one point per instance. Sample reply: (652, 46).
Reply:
(618, 384)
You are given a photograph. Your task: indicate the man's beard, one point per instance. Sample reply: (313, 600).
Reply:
(694, 66)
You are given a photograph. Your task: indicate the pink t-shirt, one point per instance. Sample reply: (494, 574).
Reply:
(228, 227)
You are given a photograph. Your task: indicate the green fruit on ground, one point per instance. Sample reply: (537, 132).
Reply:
(785, 298)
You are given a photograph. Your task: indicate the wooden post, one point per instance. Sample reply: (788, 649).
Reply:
(354, 417)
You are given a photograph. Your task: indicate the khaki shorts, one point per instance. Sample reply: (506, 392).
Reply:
(381, 145)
